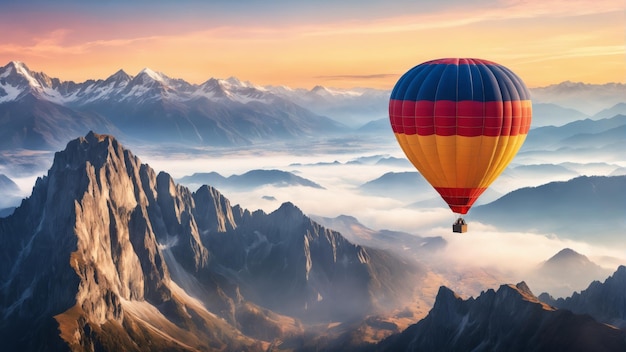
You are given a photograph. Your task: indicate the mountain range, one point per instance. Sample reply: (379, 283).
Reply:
(40, 112)
(605, 301)
(508, 319)
(108, 255)
(587, 98)
(578, 135)
(248, 180)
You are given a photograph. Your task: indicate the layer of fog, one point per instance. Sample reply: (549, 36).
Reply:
(483, 257)
(480, 259)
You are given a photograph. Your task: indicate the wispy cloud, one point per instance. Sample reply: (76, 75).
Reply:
(357, 77)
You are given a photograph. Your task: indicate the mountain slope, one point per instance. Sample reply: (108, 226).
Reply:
(547, 114)
(408, 186)
(552, 138)
(585, 208)
(10, 195)
(509, 319)
(7, 185)
(587, 98)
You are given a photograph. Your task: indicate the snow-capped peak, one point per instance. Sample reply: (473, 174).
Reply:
(21, 70)
(120, 75)
(234, 81)
(324, 91)
(152, 74)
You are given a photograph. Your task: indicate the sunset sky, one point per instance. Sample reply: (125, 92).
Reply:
(348, 43)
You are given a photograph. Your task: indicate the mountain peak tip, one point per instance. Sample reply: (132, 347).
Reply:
(93, 148)
(17, 63)
(567, 254)
(146, 71)
(567, 251)
(97, 137)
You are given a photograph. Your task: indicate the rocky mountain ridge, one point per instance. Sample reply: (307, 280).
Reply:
(508, 319)
(605, 301)
(116, 257)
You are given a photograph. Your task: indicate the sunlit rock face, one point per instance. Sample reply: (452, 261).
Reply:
(509, 319)
(82, 257)
(106, 253)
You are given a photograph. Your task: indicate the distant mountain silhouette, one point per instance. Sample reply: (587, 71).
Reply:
(398, 241)
(584, 97)
(408, 186)
(353, 107)
(249, 180)
(566, 272)
(613, 137)
(542, 169)
(552, 138)
(380, 126)
(7, 186)
(9, 195)
(393, 161)
(617, 109)
(584, 208)
(618, 172)
(547, 114)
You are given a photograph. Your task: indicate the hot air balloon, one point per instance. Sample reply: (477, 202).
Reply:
(460, 122)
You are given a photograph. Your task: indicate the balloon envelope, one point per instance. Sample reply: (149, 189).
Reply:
(460, 122)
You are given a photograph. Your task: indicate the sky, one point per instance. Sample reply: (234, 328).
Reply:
(300, 44)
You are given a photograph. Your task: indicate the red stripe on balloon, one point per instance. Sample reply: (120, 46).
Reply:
(460, 200)
(463, 118)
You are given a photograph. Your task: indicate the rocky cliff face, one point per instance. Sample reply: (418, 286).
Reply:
(107, 255)
(83, 258)
(292, 265)
(509, 319)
